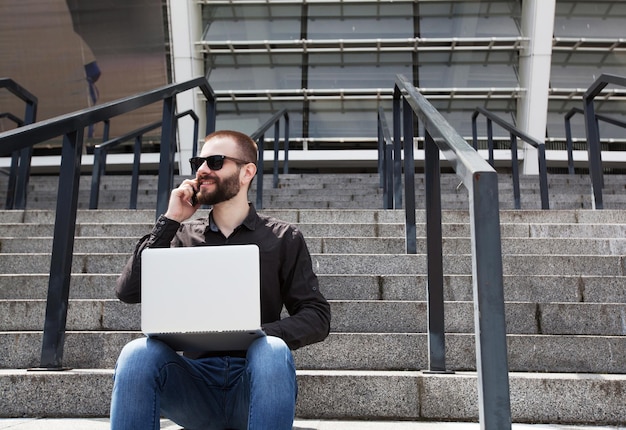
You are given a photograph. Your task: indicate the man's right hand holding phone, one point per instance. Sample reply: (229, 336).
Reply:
(183, 201)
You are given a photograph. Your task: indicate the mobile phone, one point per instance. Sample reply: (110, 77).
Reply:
(194, 196)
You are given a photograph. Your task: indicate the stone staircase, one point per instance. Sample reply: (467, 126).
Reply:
(564, 280)
(339, 191)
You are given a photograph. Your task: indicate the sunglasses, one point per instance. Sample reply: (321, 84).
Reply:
(214, 162)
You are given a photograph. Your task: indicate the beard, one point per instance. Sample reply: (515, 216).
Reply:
(225, 189)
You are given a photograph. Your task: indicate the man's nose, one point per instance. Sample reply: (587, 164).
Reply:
(204, 167)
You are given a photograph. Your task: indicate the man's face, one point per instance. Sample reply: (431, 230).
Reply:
(216, 186)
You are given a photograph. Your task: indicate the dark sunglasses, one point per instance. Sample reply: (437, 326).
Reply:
(214, 162)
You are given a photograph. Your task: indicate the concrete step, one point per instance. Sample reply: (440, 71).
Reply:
(519, 229)
(299, 424)
(343, 191)
(356, 351)
(351, 245)
(522, 288)
(405, 395)
(328, 180)
(381, 264)
(506, 204)
(329, 216)
(350, 316)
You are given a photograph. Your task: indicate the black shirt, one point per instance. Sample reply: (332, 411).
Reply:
(287, 276)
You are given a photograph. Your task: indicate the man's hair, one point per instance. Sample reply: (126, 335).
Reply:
(246, 147)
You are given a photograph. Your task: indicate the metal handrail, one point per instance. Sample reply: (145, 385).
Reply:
(593, 134)
(101, 151)
(514, 134)
(481, 181)
(15, 157)
(568, 133)
(385, 160)
(71, 127)
(19, 172)
(259, 136)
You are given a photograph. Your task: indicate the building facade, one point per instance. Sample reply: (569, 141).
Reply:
(332, 63)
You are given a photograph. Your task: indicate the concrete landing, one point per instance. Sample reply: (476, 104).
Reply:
(103, 424)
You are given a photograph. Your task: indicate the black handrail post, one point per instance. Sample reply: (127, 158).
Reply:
(543, 176)
(276, 149)
(134, 186)
(196, 132)
(569, 143)
(259, 173)
(381, 155)
(15, 161)
(489, 316)
(210, 110)
(105, 131)
(385, 159)
(593, 151)
(397, 150)
(490, 141)
(62, 250)
(388, 202)
(286, 145)
(173, 147)
(23, 176)
(99, 164)
(166, 169)
(409, 180)
(474, 131)
(515, 172)
(434, 238)
(21, 185)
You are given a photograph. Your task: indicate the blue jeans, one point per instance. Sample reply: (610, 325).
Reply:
(255, 393)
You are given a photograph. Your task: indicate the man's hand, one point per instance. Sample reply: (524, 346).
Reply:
(180, 206)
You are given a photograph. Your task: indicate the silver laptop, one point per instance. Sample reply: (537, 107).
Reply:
(202, 298)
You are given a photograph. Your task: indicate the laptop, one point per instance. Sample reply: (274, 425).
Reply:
(202, 298)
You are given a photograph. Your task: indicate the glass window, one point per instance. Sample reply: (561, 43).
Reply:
(469, 19)
(248, 116)
(347, 118)
(360, 21)
(263, 79)
(362, 70)
(443, 74)
(251, 22)
(347, 52)
(590, 19)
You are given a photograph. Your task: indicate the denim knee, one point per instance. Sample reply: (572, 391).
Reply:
(143, 355)
(269, 348)
(270, 357)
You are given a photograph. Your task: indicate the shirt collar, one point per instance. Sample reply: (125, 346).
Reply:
(249, 221)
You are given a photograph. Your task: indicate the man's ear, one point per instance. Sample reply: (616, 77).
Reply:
(248, 171)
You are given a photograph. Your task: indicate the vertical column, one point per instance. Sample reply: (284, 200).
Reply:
(185, 24)
(534, 66)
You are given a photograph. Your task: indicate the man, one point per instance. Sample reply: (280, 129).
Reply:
(254, 389)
